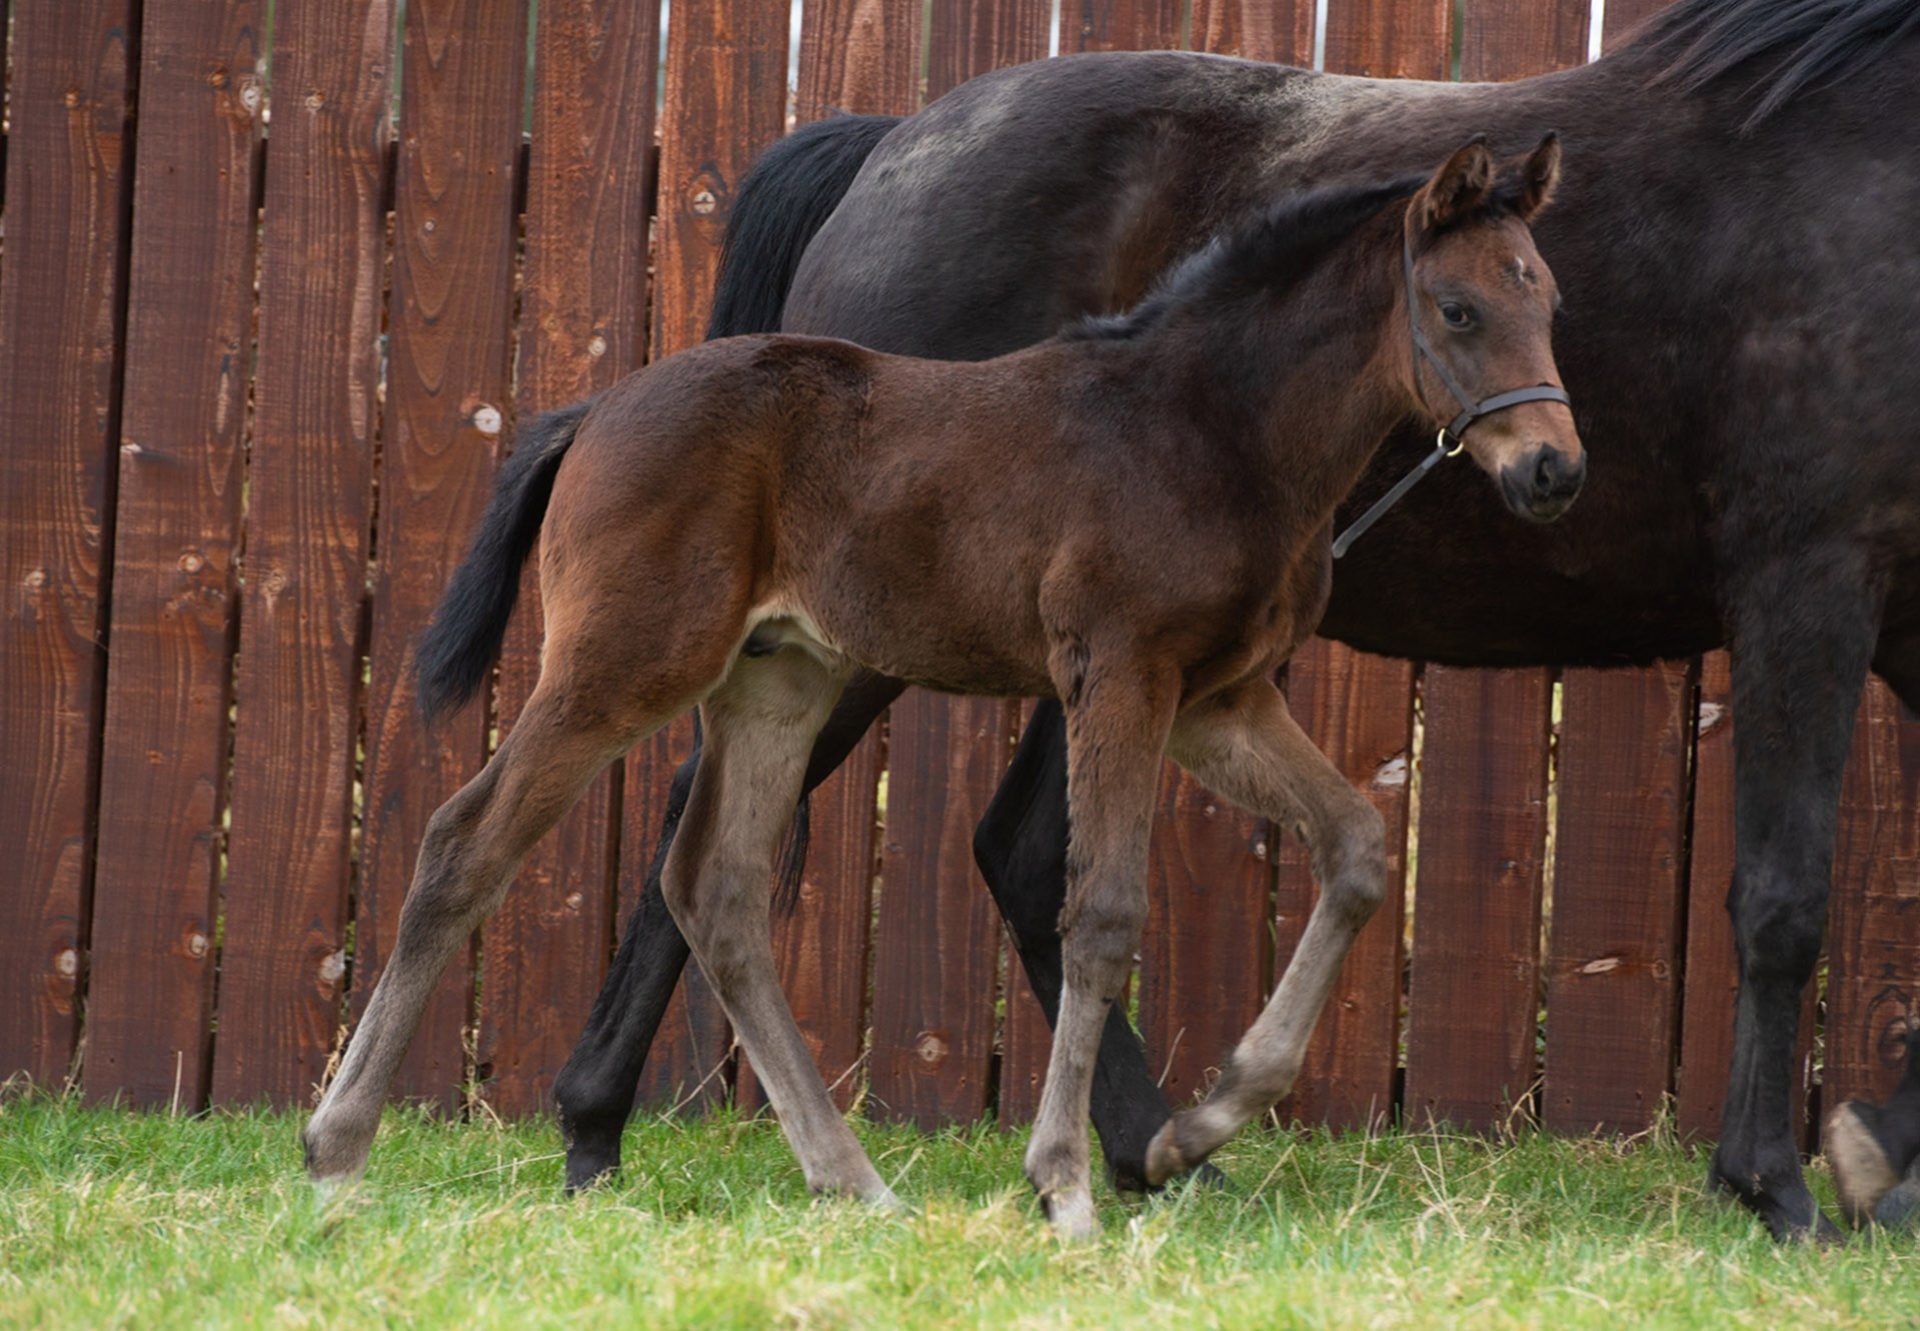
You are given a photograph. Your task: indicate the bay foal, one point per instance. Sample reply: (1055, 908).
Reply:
(1133, 517)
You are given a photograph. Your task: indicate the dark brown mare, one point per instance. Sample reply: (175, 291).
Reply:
(1738, 231)
(1133, 517)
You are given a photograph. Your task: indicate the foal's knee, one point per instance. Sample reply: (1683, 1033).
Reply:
(456, 878)
(1099, 935)
(1353, 865)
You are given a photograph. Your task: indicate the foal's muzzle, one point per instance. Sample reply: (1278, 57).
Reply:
(1542, 486)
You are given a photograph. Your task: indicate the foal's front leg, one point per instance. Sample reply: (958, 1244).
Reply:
(1247, 748)
(1117, 723)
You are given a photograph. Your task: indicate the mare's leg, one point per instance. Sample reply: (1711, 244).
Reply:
(759, 726)
(1802, 630)
(1247, 748)
(1872, 1147)
(1116, 732)
(1021, 847)
(595, 1091)
(473, 847)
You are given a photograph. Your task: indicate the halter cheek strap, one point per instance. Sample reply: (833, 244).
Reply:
(1452, 436)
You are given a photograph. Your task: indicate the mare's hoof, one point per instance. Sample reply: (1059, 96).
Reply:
(1862, 1171)
(588, 1168)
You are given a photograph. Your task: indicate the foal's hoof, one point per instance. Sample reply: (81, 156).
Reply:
(1862, 1173)
(1168, 1160)
(1071, 1215)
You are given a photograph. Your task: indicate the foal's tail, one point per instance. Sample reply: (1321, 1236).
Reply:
(463, 641)
(783, 201)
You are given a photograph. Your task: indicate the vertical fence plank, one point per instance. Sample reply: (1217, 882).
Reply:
(725, 102)
(1359, 710)
(1513, 39)
(934, 949)
(1874, 942)
(310, 473)
(1279, 30)
(1401, 39)
(447, 399)
(1119, 25)
(1614, 956)
(164, 748)
(582, 325)
(1205, 956)
(858, 57)
(1476, 930)
(59, 370)
(863, 59)
(1712, 975)
(969, 37)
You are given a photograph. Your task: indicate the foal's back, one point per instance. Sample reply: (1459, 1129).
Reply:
(1042, 489)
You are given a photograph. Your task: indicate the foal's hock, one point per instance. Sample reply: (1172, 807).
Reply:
(1133, 517)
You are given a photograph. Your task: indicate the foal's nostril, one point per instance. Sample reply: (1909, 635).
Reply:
(1555, 474)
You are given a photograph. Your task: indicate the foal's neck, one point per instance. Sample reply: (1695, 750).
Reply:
(1305, 385)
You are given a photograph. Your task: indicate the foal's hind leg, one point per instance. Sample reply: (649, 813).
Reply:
(472, 849)
(760, 726)
(1248, 748)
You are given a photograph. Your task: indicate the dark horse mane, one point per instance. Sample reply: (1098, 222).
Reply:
(1270, 253)
(1809, 43)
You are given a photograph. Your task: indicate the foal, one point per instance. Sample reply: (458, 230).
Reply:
(1133, 516)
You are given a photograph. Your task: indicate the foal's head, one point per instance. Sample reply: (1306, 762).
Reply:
(1483, 305)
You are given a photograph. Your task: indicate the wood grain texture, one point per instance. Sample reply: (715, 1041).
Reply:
(1476, 914)
(184, 404)
(1359, 710)
(966, 38)
(447, 403)
(1206, 955)
(67, 175)
(936, 943)
(1278, 30)
(1515, 39)
(1404, 39)
(583, 300)
(310, 474)
(1119, 25)
(860, 57)
(1873, 985)
(1613, 982)
(1712, 968)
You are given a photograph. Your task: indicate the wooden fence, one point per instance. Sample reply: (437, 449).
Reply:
(261, 346)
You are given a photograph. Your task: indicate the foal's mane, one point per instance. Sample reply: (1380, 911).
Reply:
(1271, 253)
(1812, 43)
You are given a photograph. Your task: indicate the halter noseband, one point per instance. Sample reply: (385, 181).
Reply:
(1455, 430)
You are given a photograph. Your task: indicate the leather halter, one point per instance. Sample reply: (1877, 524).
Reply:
(1452, 436)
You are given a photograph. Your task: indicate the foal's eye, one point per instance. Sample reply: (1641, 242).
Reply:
(1457, 316)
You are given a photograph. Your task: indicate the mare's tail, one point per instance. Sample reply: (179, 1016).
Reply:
(463, 641)
(783, 201)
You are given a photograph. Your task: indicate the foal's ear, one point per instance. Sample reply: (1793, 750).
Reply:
(1540, 176)
(1457, 188)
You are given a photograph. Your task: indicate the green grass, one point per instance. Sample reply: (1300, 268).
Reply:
(115, 1219)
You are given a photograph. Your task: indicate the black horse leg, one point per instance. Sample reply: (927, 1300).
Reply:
(594, 1092)
(1021, 847)
(1802, 633)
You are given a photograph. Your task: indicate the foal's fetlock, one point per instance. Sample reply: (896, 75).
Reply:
(1863, 1173)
